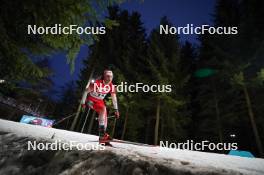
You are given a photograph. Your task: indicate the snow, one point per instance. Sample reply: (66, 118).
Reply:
(170, 157)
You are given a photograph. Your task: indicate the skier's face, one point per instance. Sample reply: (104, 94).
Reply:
(108, 76)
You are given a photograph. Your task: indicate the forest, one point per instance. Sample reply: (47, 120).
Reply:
(217, 83)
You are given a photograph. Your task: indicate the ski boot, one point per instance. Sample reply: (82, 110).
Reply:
(105, 140)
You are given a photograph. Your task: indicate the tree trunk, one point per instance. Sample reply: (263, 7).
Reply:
(91, 123)
(73, 126)
(253, 122)
(113, 129)
(125, 124)
(67, 124)
(218, 118)
(148, 129)
(219, 123)
(161, 129)
(156, 136)
(80, 121)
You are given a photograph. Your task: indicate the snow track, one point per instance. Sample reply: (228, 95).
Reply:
(117, 160)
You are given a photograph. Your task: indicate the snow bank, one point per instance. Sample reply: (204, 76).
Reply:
(123, 158)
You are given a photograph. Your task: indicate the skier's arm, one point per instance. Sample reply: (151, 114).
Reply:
(88, 89)
(114, 101)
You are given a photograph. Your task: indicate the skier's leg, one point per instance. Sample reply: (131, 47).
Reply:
(102, 119)
(105, 118)
(100, 108)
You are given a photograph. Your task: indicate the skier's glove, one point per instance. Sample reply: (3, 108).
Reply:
(117, 114)
(83, 107)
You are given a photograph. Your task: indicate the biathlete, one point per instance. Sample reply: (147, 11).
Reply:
(97, 91)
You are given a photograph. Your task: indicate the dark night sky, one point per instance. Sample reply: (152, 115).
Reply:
(179, 12)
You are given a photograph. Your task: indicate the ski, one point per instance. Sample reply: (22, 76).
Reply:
(127, 142)
(132, 143)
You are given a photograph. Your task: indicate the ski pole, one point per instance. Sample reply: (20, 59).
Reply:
(96, 118)
(61, 120)
(85, 119)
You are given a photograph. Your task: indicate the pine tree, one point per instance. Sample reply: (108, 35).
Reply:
(164, 65)
(18, 47)
(122, 49)
(237, 61)
(67, 104)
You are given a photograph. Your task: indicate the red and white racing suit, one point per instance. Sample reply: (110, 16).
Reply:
(95, 100)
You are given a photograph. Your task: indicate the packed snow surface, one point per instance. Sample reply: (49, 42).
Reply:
(173, 158)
